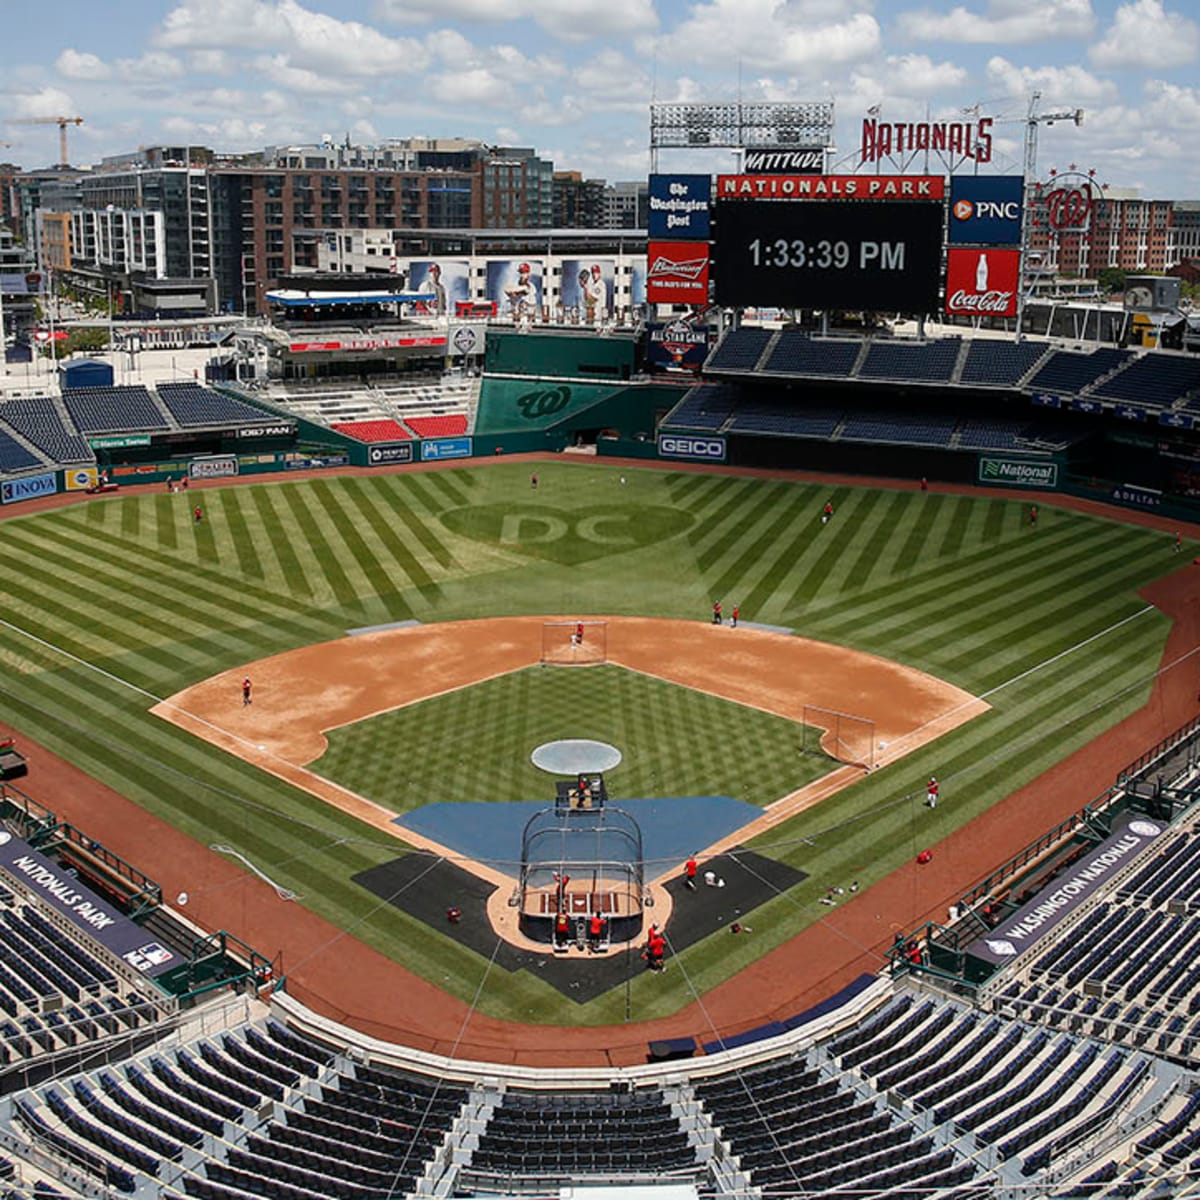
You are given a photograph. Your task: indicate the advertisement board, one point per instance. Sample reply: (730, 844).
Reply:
(691, 445)
(279, 429)
(679, 206)
(677, 273)
(882, 256)
(79, 479)
(381, 454)
(679, 345)
(368, 343)
(221, 467)
(444, 280)
(439, 448)
(62, 893)
(1017, 472)
(830, 187)
(986, 209)
(119, 441)
(516, 287)
(982, 281)
(12, 490)
(587, 289)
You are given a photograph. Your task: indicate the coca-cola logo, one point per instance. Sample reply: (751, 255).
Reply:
(983, 302)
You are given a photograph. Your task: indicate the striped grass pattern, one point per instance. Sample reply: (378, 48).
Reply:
(475, 744)
(110, 604)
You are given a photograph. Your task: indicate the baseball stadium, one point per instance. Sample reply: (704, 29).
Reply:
(768, 777)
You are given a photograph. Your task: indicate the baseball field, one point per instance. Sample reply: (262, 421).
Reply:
(112, 605)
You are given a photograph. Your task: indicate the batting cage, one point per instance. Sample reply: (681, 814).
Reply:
(840, 735)
(580, 861)
(574, 643)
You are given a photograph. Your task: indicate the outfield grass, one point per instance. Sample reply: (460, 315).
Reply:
(132, 601)
(476, 742)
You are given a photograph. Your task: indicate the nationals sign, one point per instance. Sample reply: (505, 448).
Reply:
(966, 139)
(982, 282)
(677, 273)
(830, 187)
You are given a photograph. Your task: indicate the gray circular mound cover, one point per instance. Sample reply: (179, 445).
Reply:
(575, 756)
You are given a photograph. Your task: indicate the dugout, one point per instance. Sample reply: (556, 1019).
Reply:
(600, 849)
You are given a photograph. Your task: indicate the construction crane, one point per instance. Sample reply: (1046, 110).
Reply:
(62, 123)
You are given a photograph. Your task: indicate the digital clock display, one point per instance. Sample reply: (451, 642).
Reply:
(876, 256)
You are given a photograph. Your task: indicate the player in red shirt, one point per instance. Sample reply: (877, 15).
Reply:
(246, 692)
(931, 792)
(689, 872)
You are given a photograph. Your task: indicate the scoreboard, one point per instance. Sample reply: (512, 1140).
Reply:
(876, 255)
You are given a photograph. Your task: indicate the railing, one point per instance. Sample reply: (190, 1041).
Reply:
(1159, 750)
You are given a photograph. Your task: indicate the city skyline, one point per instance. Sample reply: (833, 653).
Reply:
(574, 78)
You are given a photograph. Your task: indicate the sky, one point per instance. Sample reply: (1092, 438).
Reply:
(575, 78)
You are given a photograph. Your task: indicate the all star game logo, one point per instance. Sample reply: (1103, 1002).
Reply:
(679, 345)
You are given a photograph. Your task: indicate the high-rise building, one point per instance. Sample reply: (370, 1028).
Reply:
(627, 205)
(578, 203)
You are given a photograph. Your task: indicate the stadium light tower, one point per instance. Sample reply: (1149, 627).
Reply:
(1033, 120)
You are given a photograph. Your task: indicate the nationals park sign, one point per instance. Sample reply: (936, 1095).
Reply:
(1018, 472)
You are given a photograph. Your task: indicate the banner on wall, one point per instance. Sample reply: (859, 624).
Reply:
(676, 346)
(982, 281)
(986, 209)
(680, 206)
(445, 280)
(587, 289)
(516, 287)
(677, 273)
(12, 490)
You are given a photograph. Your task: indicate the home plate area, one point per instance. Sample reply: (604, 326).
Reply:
(424, 886)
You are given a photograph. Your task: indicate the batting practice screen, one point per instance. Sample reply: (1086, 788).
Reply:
(871, 256)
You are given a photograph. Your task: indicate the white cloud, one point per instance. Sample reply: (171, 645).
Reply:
(79, 64)
(1144, 34)
(1004, 21)
(475, 87)
(766, 35)
(152, 65)
(910, 75)
(572, 20)
(310, 39)
(298, 79)
(210, 62)
(45, 102)
(1058, 85)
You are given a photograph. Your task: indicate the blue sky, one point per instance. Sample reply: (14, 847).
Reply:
(574, 77)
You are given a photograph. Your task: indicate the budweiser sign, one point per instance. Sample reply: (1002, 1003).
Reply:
(677, 273)
(805, 160)
(957, 139)
(982, 282)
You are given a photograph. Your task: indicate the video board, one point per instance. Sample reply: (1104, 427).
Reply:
(881, 255)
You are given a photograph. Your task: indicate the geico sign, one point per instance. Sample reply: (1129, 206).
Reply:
(691, 447)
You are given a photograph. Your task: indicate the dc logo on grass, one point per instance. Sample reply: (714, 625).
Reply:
(564, 536)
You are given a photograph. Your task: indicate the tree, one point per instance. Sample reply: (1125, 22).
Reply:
(1112, 279)
(86, 341)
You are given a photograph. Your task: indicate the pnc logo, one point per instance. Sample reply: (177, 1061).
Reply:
(987, 210)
